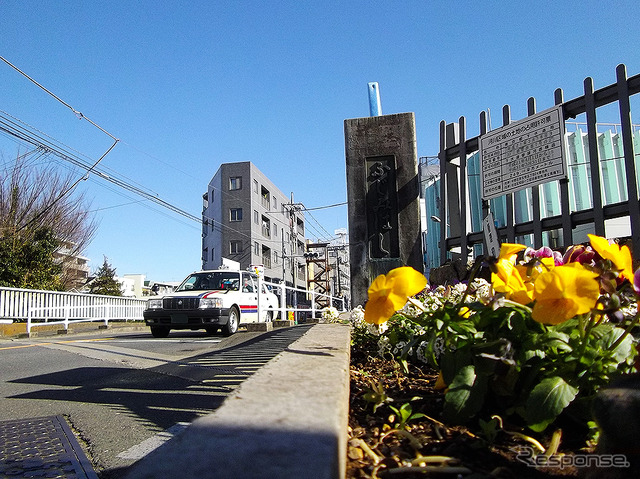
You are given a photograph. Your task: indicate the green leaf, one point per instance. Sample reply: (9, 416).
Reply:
(465, 395)
(533, 353)
(452, 362)
(547, 400)
(557, 341)
(624, 349)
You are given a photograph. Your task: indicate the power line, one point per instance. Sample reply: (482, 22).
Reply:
(324, 207)
(78, 114)
(93, 167)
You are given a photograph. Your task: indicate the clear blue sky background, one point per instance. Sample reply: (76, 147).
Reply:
(189, 85)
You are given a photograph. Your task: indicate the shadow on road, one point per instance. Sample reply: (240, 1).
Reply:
(178, 391)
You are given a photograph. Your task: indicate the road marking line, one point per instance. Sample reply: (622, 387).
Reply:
(145, 447)
(55, 342)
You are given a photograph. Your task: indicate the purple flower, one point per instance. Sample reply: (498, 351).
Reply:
(580, 254)
(636, 281)
(544, 252)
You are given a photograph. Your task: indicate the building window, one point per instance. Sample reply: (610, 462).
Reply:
(275, 203)
(235, 183)
(275, 230)
(255, 186)
(256, 217)
(256, 248)
(266, 257)
(213, 254)
(266, 227)
(300, 224)
(235, 214)
(235, 247)
(266, 198)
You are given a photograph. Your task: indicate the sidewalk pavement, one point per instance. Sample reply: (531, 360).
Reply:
(287, 421)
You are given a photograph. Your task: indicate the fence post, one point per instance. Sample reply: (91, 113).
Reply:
(313, 305)
(67, 311)
(283, 302)
(259, 296)
(29, 307)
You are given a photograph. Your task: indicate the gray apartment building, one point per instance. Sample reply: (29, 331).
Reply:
(245, 218)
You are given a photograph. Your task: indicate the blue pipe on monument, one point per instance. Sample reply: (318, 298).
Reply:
(375, 108)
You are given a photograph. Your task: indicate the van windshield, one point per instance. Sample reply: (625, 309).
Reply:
(216, 280)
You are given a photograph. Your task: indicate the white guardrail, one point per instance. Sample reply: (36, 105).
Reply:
(41, 308)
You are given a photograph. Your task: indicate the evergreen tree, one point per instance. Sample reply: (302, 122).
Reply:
(105, 282)
(27, 261)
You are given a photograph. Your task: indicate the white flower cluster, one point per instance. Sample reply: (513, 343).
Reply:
(330, 315)
(384, 346)
(411, 310)
(357, 316)
(482, 288)
(377, 329)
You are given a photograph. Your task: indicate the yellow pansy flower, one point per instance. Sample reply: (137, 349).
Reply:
(621, 257)
(507, 279)
(389, 293)
(509, 251)
(564, 292)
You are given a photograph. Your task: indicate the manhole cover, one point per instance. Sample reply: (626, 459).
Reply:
(41, 447)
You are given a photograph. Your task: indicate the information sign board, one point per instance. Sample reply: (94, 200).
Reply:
(491, 238)
(523, 154)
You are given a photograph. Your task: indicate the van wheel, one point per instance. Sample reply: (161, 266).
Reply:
(232, 325)
(160, 331)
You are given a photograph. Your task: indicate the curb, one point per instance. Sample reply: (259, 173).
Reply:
(19, 330)
(289, 420)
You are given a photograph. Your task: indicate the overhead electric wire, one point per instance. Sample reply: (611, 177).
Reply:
(325, 207)
(40, 142)
(78, 114)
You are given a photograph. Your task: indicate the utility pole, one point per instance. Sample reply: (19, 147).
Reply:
(318, 255)
(292, 208)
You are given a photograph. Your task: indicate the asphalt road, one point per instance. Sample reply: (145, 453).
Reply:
(124, 393)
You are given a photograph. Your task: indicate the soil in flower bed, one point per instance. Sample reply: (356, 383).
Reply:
(375, 450)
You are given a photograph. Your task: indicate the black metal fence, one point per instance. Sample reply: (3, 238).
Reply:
(456, 149)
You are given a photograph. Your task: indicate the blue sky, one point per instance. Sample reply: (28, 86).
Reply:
(187, 86)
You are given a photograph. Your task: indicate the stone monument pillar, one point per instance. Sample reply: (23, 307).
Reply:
(383, 198)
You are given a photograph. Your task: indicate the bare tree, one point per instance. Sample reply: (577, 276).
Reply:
(34, 195)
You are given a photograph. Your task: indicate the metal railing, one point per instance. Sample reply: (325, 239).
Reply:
(284, 308)
(454, 197)
(41, 308)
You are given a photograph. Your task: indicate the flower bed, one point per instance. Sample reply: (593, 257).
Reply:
(513, 363)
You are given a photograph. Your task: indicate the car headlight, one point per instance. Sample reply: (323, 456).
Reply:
(154, 304)
(206, 303)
